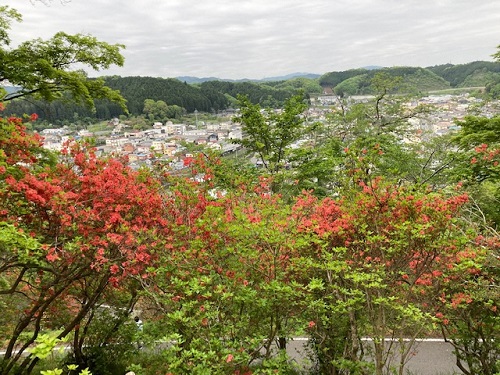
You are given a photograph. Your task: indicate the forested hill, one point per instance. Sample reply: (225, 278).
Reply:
(358, 82)
(172, 91)
(415, 79)
(207, 96)
(217, 95)
(477, 73)
(210, 96)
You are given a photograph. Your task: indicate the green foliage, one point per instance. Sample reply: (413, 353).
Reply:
(160, 111)
(468, 313)
(332, 79)
(62, 111)
(457, 75)
(469, 317)
(228, 294)
(373, 264)
(360, 82)
(265, 94)
(423, 80)
(269, 134)
(137, 89)
(376, 134)
(71, 369)
(493, 88)
(108, 338)
(307, 85)
(477, 161)
(52, 372)
(480, 78)
(475, 131)
(351, 86)
(496, 55)
(44, 69)
(7, 15)
(16, 243)
(45, 345)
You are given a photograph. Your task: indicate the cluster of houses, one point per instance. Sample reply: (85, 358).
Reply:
(446, 110)
(162, 141)
(168, 141)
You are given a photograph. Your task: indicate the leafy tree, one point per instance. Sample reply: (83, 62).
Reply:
(469, 317)
(88, 218)
(6, 16)
(468, 307)
(376, 132)
(44, 69)
(160, 111)
(379, 254)
(268, 134)
(478, 142)
(155, 110)
(228, 291)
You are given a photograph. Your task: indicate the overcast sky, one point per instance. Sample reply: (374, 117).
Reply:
(236, 39)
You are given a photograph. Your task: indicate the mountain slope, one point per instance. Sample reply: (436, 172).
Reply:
(458, 75)
(358, 81)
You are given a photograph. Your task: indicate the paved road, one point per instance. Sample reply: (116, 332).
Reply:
(430, 357)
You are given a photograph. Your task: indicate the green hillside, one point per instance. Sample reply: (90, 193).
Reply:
(332, 79)
(207, 96)
(169, 90)
(358, 82)
(217, 95)
(467, 75)
(266, 94)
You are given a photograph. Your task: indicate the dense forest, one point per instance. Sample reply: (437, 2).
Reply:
(459, 75)
(216, 95)
(414, 79)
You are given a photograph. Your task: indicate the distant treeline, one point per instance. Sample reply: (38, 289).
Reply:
(476, 73)
(215, 96)
(211, 96)
(415, 79)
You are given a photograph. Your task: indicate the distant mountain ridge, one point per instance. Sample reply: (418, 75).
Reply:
(476, 73)
(373, 67)
(214, 95)
(191, 80)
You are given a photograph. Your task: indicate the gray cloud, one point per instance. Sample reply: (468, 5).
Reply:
(258, 38)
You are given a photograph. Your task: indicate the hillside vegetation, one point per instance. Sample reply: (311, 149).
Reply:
(414, 80)
(218, 95)
(458, 75)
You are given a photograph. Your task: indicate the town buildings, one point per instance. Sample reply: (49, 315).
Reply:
(168, 141)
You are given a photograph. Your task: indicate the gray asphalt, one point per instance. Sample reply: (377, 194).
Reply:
(430, 357)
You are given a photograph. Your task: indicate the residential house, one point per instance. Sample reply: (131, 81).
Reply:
(144, 147)
(128, 148)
